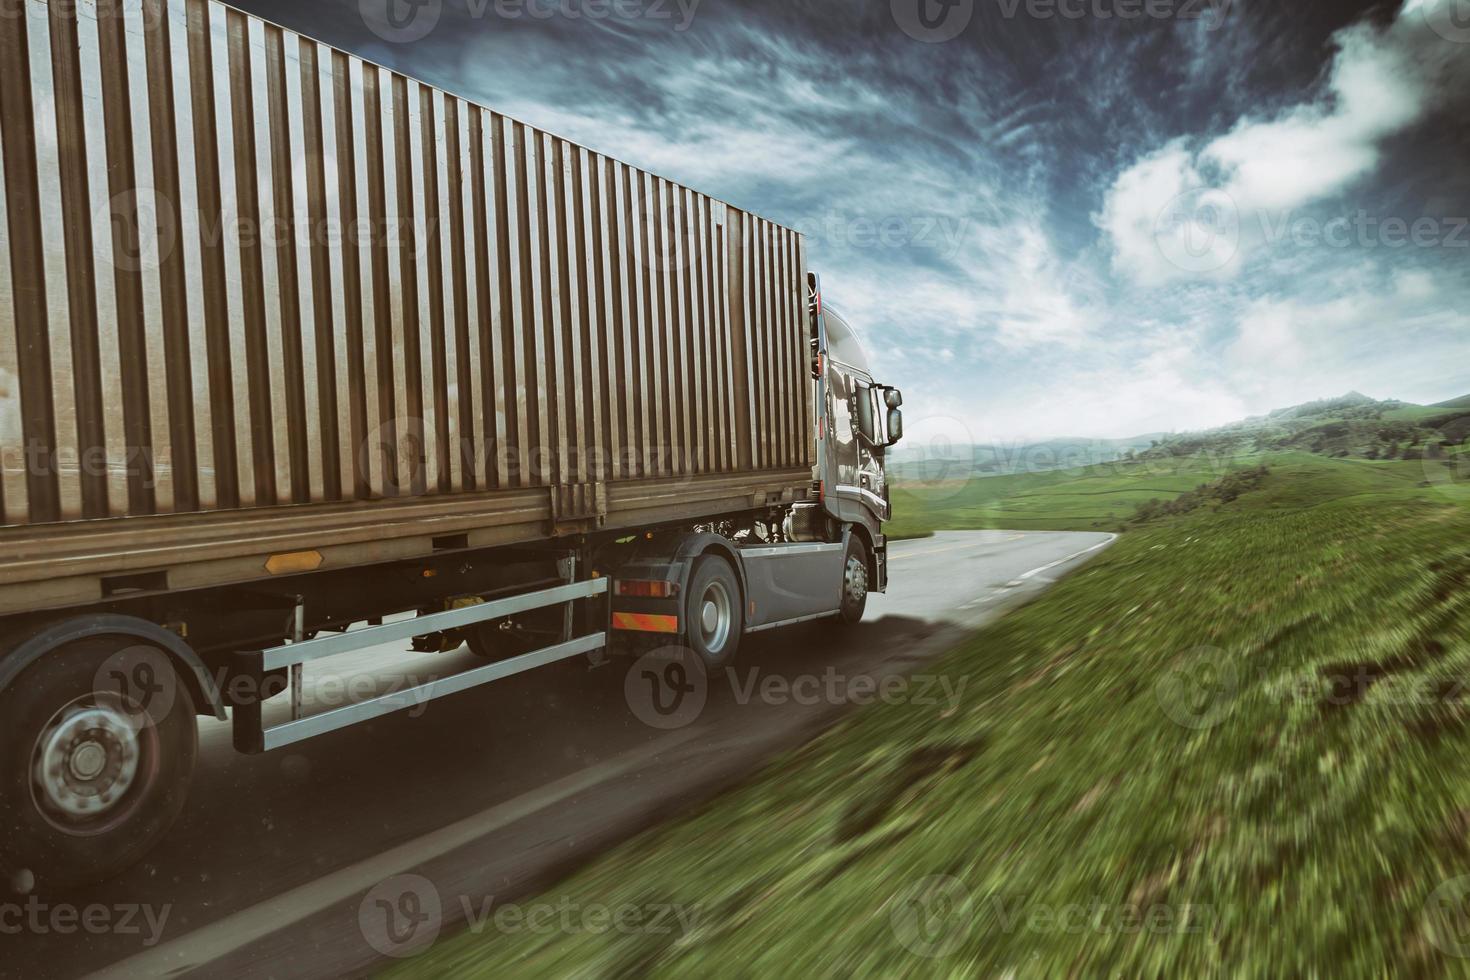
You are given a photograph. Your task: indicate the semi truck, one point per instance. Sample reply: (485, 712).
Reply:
(300, 356)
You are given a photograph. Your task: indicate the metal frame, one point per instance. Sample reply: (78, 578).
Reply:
(251, 735)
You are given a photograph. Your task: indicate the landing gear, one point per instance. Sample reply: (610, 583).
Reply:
(94, 766)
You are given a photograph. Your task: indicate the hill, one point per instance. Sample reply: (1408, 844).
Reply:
(1354, 442)
(1351, 426)
(1232, 745)
(923, 463)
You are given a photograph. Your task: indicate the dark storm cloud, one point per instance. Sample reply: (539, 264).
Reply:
(976, 203)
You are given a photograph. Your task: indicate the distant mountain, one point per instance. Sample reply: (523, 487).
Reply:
(923, 462)
(1351, 426)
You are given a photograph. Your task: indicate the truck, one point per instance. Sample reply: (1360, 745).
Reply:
(300, 356)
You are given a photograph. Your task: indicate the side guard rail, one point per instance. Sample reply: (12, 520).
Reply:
(251, 735)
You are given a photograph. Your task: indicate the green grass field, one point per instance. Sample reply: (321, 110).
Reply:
(1237, 743)
(1105, 497)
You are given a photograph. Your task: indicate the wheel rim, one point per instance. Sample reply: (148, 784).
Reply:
(716, 614)
(855, 582)
(86, 764)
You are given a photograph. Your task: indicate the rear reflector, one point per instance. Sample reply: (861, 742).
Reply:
(646, 590)
(640, 623)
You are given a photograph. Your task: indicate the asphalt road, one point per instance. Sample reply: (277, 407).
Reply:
(282, 862)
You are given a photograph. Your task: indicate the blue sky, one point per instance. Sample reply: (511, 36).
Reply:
(1048, 217)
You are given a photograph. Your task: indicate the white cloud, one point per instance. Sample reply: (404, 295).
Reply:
(1381, 82)
(1038, 308)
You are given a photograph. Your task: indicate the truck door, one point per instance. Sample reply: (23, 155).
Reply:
(845, 446)
(871, 478)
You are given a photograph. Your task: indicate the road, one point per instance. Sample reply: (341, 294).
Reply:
(495, 792)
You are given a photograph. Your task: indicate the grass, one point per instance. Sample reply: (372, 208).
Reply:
(1091, 498)
(1235, 744)
(1105, 497)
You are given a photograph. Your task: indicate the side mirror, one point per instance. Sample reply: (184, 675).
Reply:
(895, 425)
(893, 398)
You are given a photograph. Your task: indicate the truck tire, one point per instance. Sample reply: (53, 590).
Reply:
(854, 583)
(90, 777)
(714, 615)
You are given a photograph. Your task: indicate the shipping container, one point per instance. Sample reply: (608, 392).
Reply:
(301, 358)
(260, 295)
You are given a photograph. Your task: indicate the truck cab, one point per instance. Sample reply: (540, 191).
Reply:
(859, 419)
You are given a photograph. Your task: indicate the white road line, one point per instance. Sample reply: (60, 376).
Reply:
(218, 939)
(1046, 568)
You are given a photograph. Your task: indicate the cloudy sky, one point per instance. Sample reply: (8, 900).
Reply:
(1048, 217)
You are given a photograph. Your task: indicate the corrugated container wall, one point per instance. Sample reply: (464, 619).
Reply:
(241, 269)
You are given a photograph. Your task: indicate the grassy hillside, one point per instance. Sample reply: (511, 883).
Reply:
(1238, 743)
(1392, 443)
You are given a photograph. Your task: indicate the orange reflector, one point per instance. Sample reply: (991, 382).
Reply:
(641, 623)
(294, 563)
(646, 589)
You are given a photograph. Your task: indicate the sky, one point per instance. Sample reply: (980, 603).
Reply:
(1047, 218)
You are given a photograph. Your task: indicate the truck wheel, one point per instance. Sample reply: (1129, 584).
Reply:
(90, 777)
(854, 583)
(714, 618)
